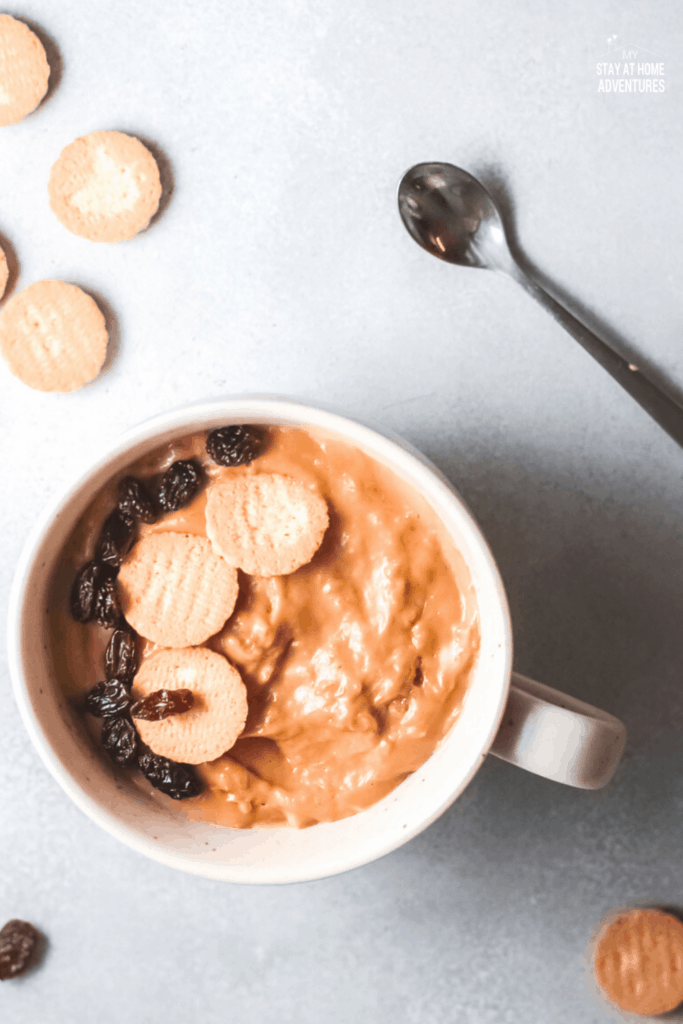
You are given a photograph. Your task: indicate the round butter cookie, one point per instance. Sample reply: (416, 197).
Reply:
(175, 590)
(4, 272)
(215, 720)
(267, 525)
(24, 70)
(105, 187)
(53, 336)
(638, 961)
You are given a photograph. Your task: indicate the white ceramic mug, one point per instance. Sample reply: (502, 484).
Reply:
(522, 721)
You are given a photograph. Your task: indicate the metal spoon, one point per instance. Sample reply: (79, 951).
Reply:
(451, 215)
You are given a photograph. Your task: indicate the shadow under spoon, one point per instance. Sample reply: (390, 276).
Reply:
(451, 215)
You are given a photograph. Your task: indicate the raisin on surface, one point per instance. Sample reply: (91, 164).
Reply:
(173, 779)
(86, 588)
(179, 484)
(121, 655)
(19, 944)
(115, 539)
(120, 740)
(108, 699)
(235, 446)
(107, 609)
(134, 501)
(162, 704)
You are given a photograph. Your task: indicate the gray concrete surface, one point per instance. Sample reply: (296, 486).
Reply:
(280, 264)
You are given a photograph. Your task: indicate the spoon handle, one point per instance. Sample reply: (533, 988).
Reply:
(660, 406)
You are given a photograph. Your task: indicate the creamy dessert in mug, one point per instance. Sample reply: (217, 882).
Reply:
(265, 623)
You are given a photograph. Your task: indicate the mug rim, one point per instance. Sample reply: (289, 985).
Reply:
(153, 432)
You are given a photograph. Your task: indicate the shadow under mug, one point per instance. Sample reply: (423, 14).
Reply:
(503, 713)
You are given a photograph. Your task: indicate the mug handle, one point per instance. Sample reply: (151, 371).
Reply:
(557, 736)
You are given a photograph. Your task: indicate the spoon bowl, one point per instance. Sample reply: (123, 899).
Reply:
(451, 215)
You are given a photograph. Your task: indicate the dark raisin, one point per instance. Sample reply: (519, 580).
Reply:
(108, 699)
(134, 501)
(107, 610)
(179, 484)
(121, 655)
(235, 446)
(176, 780)
(85, 589)
(19, 945)
(162, 704)
(115, 539)
(120, 740)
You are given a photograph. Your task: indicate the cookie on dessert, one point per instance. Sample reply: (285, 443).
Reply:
(218, 712)
(267, 524)
(175, 590)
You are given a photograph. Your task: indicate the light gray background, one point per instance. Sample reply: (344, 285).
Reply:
(280, 264)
